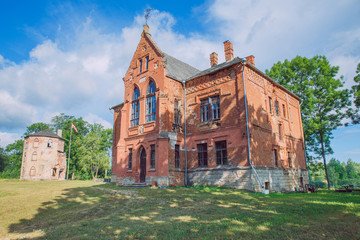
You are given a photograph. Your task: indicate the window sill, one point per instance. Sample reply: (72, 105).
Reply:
(148, 123)
(145, 71)
(152, 170)
(217, 121)
(129, 171)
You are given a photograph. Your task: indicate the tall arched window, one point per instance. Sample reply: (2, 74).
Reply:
(135, 108)
(151, 102)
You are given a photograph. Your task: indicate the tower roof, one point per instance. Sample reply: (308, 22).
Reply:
(45, 133)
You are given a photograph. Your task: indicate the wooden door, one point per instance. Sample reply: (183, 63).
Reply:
(142, 165)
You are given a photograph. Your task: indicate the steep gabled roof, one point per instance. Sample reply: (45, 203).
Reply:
(45, 133)
(177, 69)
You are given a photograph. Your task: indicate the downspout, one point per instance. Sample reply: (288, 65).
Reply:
(247, 126)
(185, 136)
(306, 163)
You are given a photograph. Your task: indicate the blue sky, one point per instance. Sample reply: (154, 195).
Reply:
(70, 56)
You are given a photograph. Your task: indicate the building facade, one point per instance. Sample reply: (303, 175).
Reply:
(229, 125)
(43, 157)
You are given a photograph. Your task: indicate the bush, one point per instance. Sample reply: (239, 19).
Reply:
(319, 184)
(345, 182)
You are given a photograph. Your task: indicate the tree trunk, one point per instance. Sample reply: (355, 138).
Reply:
(324, 159)
(96, 173)
(92, 172)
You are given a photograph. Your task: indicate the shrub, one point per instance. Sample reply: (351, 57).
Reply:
(319, 184)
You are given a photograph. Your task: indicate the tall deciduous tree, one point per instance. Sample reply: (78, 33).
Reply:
(356, 92)
(93, 151)
(63, 122)
(36, 127)
(12, 157)
(324, 102)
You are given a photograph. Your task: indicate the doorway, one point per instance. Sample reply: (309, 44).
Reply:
(142, 165)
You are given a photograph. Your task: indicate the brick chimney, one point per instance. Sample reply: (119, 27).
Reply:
(229, 51)
(250, 59)
(213, 59)
(59, 132)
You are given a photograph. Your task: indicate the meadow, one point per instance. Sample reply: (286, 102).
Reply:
(87, 210)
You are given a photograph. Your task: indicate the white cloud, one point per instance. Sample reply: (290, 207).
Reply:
(13, 112)
(80, 71)
(92, 118)
(275, 30)
(7, 138)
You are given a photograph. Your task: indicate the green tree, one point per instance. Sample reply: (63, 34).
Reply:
(93, 151)
(64, 122)
(351, 171)
(356, 92)
(36, 127)
(3, 159)
(12, 160)
(324, 102)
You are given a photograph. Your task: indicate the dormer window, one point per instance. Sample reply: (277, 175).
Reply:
(151, 102)
(135, 107)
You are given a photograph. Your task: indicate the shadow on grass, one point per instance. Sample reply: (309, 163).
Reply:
(181, 213)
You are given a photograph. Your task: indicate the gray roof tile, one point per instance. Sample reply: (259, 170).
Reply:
(215, 68)
(177, 69)
(45, 133)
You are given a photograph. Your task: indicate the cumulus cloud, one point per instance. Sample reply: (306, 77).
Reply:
(79, 71)
(7, 138)
(92, 118)
(276, 30)
(13, 112)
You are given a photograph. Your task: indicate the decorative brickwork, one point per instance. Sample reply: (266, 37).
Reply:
(215, 116)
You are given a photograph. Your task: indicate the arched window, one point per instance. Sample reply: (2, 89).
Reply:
(34, 156)
(135, 108)
(151, 102)
(36, 143)
(32, 171)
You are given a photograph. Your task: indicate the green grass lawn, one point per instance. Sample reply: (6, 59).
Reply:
(86, 210)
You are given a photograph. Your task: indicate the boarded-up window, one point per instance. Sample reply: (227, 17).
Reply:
(130, 159)
(275, 157)
(152, 159)
(289, 159)
(177, 156)
(32, 171)
(177, 113)
(36, 143)
(284, 110)
(34, 156)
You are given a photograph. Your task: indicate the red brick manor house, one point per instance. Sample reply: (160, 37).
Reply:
(229, 125)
